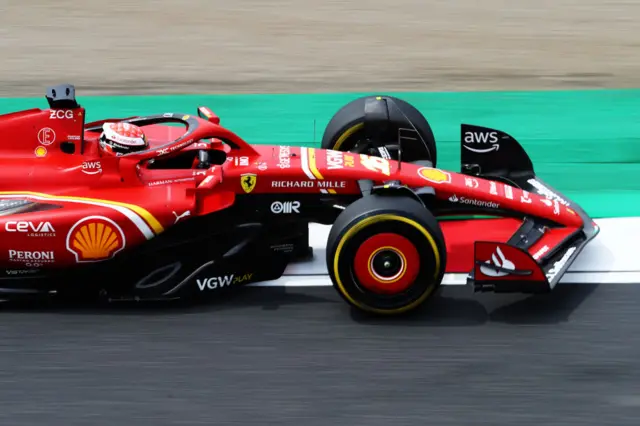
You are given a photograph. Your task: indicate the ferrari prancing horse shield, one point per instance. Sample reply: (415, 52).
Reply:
(248, 182)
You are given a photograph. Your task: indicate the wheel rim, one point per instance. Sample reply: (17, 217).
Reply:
(386, 263)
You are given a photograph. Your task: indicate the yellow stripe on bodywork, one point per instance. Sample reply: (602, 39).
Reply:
(155, 225)
(314, 168)
(312, 163)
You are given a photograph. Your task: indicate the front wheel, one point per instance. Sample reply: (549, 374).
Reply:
(390, 119)
(386, 254)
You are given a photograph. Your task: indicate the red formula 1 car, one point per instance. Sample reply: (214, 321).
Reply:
(200, 210)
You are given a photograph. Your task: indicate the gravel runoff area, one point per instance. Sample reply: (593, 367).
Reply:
(266, 46)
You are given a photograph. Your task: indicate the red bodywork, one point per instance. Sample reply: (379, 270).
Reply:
(110, 204)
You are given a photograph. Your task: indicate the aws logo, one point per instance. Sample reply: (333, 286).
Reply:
(481, 142)
(94, 239)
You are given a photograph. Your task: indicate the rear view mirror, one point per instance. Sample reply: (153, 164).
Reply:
(206, 114)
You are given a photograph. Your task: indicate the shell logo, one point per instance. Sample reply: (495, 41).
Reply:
(434, 175)
(40, 151)
(94, 239)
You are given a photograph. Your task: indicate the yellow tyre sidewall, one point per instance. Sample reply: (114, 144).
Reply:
(346, 135)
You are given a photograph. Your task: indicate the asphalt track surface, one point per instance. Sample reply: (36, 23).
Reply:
(300, 356)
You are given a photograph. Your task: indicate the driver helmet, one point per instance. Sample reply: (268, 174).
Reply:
(122, 138)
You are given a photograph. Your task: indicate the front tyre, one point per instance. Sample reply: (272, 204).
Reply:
(386, 254)
(346, 131)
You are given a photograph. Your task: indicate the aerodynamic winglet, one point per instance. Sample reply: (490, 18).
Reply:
(503, 268)
(493, 153)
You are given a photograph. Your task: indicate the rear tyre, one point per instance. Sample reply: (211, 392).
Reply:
(346, 131)
(386, 254)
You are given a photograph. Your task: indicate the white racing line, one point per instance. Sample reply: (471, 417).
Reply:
(610, 258)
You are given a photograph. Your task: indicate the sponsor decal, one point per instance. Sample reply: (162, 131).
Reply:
(493, 188)
(335, 160)
(384, 153)
(239, 161)
(324, 184)
(537, 255)
(168, 181)
(73, 137)
(552, 203)
(248, 182)
(181, 216)
(165, 151)
(286, 207)
(199, 173)
(560, 264)
(434, 175)
(59, 114)
(284, 157)
(497, 259)
(481, 142)
(282, 248)
(375, 164)
(546, 192)
(46, 136)
(328, 184)
(508, 192)
(32, 229)
(94, 239)
(474, 202)
(167, 115)
(471, 182)
(349, 160)
(214, 283)
(524, 198)
(40, 152)
(32, 258)
(262, 166)
(91, 167)
(185, 117)
(20, 271)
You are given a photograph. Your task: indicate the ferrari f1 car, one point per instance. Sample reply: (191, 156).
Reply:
(202, 211)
